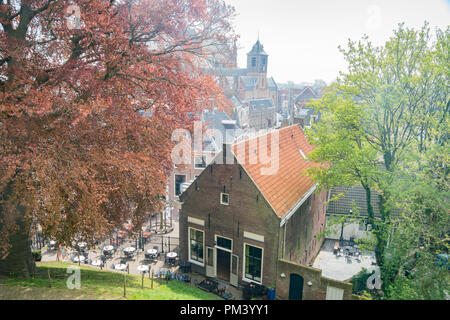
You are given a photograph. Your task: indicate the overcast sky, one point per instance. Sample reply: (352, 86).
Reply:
(302, 37)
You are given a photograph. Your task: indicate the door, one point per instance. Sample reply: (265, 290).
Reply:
(295, 287)
(223, 264)
(334, 293)
(234, 270)
(210, 262)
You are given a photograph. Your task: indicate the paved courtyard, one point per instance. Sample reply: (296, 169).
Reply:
(339, 268)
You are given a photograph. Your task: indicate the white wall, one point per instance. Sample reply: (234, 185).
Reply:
(350, 230)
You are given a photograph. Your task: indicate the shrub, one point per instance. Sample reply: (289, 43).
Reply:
(37, 255)
(359, 281)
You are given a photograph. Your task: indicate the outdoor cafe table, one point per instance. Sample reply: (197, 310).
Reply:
(121, 267)
(80, 258)
(129, 250)
(142, 268)
(171, 255)
(96, 263)
(108, 248)
(152, 251)
(82, 245)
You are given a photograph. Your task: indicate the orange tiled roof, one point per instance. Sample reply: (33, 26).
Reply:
(287, 185)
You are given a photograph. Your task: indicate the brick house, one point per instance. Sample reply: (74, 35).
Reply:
(236, 222)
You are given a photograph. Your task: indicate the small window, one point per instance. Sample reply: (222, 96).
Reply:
(253, 62)
(224, 243)
(179, 180)
(224, 198)
(200, 162)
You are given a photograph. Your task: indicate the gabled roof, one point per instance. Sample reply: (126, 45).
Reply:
(258, 104)
(306, 95)
(289, 184)
(222, 122)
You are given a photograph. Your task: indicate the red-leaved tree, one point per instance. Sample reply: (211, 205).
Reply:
(90, 93)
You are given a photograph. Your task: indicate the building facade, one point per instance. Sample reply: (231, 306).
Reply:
(236, 223)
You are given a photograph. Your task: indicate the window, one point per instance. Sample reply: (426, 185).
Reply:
(253, 62)
(179, 179)
(196, 245)
(200, 162)
(224, 198)
(224, 243)
(253, 263)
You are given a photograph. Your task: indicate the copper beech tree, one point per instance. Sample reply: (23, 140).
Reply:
(90, 94)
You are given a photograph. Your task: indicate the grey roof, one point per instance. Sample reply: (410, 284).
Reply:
(236, 101)
(230, 72)
(258, 48)
(353, 197)
(260, 103)
(307, 94)
(221, 121)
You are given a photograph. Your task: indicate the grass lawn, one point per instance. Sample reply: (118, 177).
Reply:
(95, 284)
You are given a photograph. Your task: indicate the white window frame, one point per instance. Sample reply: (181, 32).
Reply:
(196, 163)
(189, 247)
(175, 183)
(221, 202)
(244, 258)
(222, 248)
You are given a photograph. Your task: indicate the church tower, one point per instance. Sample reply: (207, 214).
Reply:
(257, 59)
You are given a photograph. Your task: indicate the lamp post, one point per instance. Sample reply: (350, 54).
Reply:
(342, 228)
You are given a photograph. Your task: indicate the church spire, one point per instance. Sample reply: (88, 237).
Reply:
(257, 58)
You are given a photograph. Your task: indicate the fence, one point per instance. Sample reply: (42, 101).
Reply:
(164, 243)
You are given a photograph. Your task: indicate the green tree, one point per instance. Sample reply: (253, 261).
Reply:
(390, 101)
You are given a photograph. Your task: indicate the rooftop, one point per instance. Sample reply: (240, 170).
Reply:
(289, 183)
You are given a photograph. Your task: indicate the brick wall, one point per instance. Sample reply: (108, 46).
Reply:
(319, 284)
(247, 211)
(302, 229)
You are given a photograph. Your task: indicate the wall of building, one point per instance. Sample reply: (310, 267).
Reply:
(247, 211)
(190, 172)
(302, 229)
(353, 230)
(319, 284)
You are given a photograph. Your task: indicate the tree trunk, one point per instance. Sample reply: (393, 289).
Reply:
(19, 260)
(379, 247)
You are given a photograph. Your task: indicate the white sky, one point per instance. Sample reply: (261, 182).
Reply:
(302, 37)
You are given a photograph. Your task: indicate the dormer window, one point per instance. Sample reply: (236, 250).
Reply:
(224, 199)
